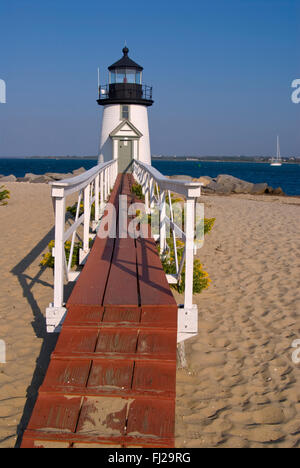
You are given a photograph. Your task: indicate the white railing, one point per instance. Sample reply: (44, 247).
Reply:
(157, 190)
(93, 186)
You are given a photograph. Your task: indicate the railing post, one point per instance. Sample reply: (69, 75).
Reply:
(189, 260)
(59, 253)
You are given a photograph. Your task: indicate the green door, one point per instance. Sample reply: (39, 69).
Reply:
(125, 156)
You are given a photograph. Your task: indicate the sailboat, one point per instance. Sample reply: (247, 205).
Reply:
(277, 161)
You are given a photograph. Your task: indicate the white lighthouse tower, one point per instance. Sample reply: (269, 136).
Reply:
(125, 130)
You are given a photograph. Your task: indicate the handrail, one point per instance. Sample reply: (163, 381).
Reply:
(187, 189)
(93, 187)
(157, 191)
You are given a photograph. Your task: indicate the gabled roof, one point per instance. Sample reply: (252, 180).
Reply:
(125, 62)
(123, 124)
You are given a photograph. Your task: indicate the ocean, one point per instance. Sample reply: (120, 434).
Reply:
(287, 176)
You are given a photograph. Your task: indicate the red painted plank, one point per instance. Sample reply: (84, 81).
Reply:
(66, 375)
(87, 315)
(29, 442)
(154, 288)
(90, 286)
(57, 413)
(122, 341)
(111, 376)
(154, 419)
(158, 378)
(76, 341)
(126, 315)
(122, 286)
(157, 343)
(157, 316)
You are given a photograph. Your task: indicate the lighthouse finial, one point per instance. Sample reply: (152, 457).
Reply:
(125, 49)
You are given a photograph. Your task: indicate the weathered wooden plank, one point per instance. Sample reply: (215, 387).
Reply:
(155, 378)
(91, 284)
(84, 315)
(153, 285)
(151, 418)
(122, 286)
(57, 413)
(66, 375)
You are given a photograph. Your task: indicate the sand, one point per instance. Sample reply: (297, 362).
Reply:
(241, 387)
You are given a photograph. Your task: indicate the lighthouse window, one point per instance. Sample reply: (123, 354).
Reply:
(125, 112)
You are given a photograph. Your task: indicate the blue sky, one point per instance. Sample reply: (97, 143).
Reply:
(221, 72)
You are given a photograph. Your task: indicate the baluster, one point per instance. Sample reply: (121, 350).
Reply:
(86, 222)
(162, 233)
(97, 208)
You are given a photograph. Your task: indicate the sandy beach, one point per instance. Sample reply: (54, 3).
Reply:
(241, 387)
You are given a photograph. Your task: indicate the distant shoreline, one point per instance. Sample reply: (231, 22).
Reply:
(164, 159)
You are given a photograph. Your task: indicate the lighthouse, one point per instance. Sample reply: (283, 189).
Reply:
(125, 101)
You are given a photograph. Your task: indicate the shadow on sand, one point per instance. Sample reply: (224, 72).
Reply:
(39, 325)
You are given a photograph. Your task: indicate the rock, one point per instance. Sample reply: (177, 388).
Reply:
(259, 189)
(278, 191)
(269, 190)
(40, 180)
(31, 176)
(79, 171)
(58, 176)
(22, 179)
(229, 183)
(211, 187)
(205, 180)
(9, 178)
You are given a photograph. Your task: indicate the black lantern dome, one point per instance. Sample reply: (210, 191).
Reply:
(125, 84)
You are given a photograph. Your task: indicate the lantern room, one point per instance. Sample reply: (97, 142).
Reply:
(125, 84)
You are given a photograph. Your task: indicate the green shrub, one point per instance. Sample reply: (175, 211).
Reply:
(48, 259)
(4, 195)
(201, 279)
(208, 224)
(72, 209)
(138, 191)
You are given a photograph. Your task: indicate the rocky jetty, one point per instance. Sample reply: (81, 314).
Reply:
(41, 178)
(226, 184)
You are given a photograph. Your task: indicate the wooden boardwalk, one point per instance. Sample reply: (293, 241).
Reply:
(111, 378)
